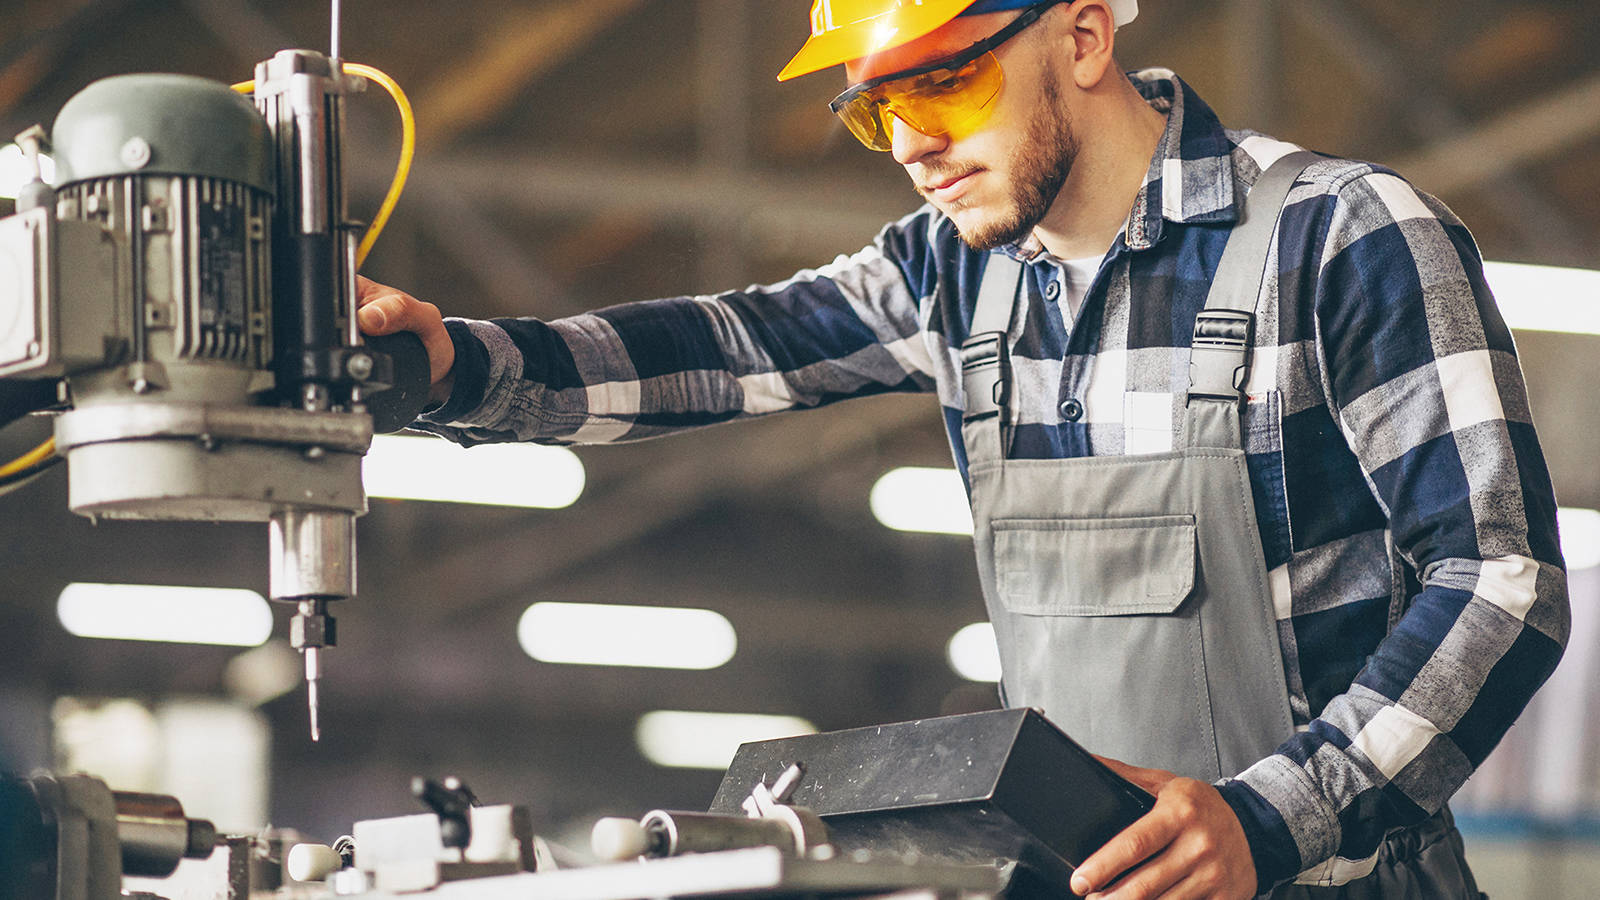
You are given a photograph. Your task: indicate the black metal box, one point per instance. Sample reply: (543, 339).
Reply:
(985, 788)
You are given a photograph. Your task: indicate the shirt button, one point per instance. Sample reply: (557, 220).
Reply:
(1071, 409)
(1052, 290)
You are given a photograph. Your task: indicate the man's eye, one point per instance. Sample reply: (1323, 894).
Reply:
(932, 85)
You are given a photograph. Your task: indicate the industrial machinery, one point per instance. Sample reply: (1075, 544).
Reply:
(73, 837)
(184, 299)
(978, 805)
(961, 808)
(185, 296)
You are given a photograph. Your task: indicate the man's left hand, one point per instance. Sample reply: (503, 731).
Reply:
(1190, 845)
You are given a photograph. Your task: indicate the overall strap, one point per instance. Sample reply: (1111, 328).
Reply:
(1219, 357)
(986, 361)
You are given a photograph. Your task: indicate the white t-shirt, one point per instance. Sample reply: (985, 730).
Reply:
(1075, 277)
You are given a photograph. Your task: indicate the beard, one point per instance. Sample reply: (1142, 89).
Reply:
(1039, 166)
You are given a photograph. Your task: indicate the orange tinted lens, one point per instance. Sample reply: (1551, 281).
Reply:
(942, 101)
(948, 101)
(868, 119)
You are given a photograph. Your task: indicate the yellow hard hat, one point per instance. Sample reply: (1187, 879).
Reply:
(842, 30)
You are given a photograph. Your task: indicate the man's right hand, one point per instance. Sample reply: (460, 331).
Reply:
(384, 310)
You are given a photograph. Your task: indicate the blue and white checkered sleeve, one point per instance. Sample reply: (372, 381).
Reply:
(1421, 374)
(638, 370)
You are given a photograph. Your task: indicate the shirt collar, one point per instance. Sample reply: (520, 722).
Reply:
(1190, 179)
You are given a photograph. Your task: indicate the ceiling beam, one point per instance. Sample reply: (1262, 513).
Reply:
(1528, 134)
(722, 125)
(505, 267)
(1542, 225)
(526, 45)
(818, 217)
(246, 31)
(34, 48)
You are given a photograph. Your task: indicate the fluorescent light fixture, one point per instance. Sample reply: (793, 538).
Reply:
(176, 615)
(1580, 537)
(263, 673)
(15, 171)
(922, 499)
(411, 467)
(973, 653)
(1546, 298)
(654, 637)
(117, 739)
(702, 740)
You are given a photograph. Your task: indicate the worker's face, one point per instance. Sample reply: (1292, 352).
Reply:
(997, 182)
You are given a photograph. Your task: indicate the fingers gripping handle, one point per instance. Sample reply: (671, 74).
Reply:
(397, 407)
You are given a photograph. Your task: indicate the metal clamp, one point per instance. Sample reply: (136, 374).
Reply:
(1219, 357)
(984, 375)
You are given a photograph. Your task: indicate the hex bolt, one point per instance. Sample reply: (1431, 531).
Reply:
(359, 366)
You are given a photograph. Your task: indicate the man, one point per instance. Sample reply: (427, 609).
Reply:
(1273, 518)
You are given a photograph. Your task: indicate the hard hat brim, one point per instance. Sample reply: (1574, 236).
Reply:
(858, 40)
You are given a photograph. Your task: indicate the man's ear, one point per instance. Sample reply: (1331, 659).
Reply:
(1093, 34)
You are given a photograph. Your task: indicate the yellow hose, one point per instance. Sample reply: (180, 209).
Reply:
(402, 170)
(408, 147)
(32, 458)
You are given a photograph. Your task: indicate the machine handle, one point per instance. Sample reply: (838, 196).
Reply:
(398, 406)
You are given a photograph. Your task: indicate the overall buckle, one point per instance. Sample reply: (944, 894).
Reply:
(1219, 357)
(984, 375)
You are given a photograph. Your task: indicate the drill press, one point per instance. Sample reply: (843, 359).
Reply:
(188, 285)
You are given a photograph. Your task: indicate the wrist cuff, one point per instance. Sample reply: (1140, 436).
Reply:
(1272, 847)
(470, 373)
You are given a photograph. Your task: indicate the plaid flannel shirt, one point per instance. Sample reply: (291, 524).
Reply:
(1405, 510)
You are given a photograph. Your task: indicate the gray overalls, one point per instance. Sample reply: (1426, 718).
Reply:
(1129, 593)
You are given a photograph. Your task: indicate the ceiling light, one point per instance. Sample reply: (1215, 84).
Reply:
(15, 171)
(702, 740)
(922, 499)
(656, 637)
(1546, 298)
(178, 615)
(973, 654)
(263, 673)
(411, 467)
(117, 739)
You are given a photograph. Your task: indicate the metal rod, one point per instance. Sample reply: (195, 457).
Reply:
(333, 39)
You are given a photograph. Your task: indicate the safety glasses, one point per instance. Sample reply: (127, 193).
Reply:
(948, 96)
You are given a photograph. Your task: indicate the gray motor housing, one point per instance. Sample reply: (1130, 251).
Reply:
(162, 125)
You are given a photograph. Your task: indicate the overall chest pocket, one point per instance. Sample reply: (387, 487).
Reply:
(1099, 626)
(1095, 567)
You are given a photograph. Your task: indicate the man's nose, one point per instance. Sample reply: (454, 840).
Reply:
(908, 145)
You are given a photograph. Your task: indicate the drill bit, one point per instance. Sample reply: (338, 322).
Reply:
(309, 631)
(313, 677)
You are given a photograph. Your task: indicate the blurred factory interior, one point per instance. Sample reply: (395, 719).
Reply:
(577, 153)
